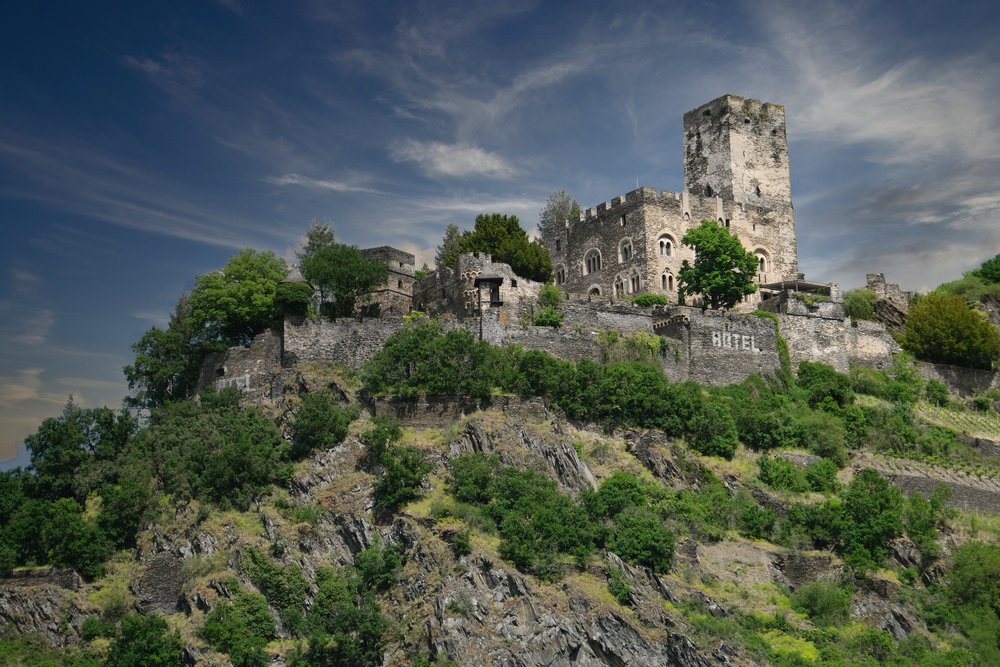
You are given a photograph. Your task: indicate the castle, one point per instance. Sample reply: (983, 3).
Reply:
(735, 172)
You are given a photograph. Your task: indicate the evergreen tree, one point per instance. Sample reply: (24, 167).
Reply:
(450, 248)
(559, 208)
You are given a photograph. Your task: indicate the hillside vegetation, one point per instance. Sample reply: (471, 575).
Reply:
(604, 512)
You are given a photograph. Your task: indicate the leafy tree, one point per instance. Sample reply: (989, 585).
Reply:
(144, 640)
(71, 540)
(450, 248)
(321, 422)
(639, 536)
(344, 275)
(319, 236)
(859, 304)
(346, 623)
(559, 208)
(379, 565)
(989, 270)
(167, 361)
(65, 447)
(503, 238)
(873, 509)
(385, 430)
(723, 270)
(294, 298)
(238, 302)
(403, 472)
(240, 628)
(825, 602)
(943, 329)
(825, 388)
(472, 477)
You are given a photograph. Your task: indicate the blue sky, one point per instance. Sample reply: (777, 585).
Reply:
(141, 143)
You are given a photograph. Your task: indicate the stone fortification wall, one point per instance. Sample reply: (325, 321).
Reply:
(719, 348)
(959, 380)
(565, 343)
(250, 369)
(890, 292)
(814, 339)
(346, 341)
(615, 316)
(869, 344)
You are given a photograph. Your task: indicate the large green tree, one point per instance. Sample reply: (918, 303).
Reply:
(167, 361)
(503, 238)
(343, 274)
(236, 303)
(942, 328)
(723, 270)
(559, 208)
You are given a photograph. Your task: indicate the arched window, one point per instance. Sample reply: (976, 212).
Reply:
(594, 291)
(763, 261)
(634, 283)
(592, 261)
(666, 245)
(560, 274)
(625, 250)
(762, 264)
(708, 191)
(667, 282)
(619, 286)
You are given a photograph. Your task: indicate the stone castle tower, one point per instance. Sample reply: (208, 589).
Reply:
(735, 172)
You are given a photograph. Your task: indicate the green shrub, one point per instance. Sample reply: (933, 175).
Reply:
(548, 317)
(824, 435)
(379, 565)
(461, 542)
(859, 304)
(549, 296)
(321, 422)
(294, 298)
(618, 587)
(345, 621)
(640, 537)
(713, 431)
(96, 626)
(240, 628)
(821, 476)
(472, 477)
(752, 520)
(283, 585)
(943, 329)
(825, 388)
(824, 602)
(402, 475)
(936, 392)
(144, 640)
(873, 509)
(647, 300)
(385, 431)
(782, 474)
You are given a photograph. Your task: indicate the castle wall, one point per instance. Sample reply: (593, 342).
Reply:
(453, 291)
(250, 369)
(814, 339)
(959, 380)
(395, 296)
(868, 344)
(720, 348)
(346, 341)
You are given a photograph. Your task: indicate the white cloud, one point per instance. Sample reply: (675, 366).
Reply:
(454, 160)
(319, 184)
(33, 328)
(24, 386)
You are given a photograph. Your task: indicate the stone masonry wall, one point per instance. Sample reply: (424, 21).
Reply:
(249, 369)
(959, 380)
(869, 344)
(346, 341)
(814, 339)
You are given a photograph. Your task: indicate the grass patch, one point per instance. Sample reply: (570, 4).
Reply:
(977, 424)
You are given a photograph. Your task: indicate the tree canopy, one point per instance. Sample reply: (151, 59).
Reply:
(942, 328)
(450, 248)
(723, 270)
(505, 240)
(559, 208)
(343, 273)
(238, 302)
(989, 270)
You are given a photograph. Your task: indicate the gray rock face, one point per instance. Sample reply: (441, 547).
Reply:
(43, 602)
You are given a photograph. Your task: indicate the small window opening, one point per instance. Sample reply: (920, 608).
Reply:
(670, 283)
(757, 190)
(708, 190)
(399, 284)
(558, 244)
(621, 221)
(760, 263)
(727, 223)
(513, 283)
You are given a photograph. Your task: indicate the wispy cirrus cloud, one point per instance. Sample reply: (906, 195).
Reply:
(320, 184)
(452, 160)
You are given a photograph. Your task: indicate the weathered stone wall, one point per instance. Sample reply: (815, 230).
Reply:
(814, 339)
(868, 344)
(959, 380)
(346, 341)
(890, 292)
(720, 348)
(250, 369)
